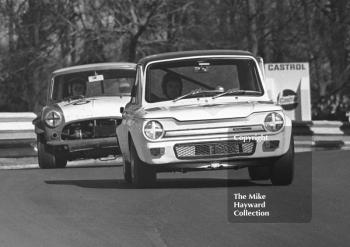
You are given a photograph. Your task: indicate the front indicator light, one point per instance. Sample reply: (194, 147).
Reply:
(269, 146)
(157, 151)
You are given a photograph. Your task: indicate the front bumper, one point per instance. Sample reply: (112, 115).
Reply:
(85, 145)
(169, 157)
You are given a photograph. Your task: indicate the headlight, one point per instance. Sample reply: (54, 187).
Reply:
(53, 118)
(273, 122)
(153, 130)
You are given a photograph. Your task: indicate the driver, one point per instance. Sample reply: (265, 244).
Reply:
(78, 87)
(171, 86)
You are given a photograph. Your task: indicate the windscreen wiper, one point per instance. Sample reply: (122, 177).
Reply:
(195, 92)
(233, 91)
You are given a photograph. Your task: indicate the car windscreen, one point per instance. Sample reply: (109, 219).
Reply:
(169, 80)
(94, 83)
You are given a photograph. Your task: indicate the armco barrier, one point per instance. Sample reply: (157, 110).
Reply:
(321, 128)
(17, 137)
(17, 134)
(326, 134)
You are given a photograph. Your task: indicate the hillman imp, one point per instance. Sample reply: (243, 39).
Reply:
(82, 112)
(204, 110)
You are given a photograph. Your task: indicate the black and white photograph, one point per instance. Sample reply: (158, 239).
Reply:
(174, 123)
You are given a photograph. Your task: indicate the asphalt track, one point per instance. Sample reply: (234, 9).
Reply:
(92, 206)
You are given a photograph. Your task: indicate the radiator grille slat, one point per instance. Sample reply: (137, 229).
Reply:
(214, 149)
(90, 129)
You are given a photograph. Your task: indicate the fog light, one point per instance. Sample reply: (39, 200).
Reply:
(269, 146)
(157, 151)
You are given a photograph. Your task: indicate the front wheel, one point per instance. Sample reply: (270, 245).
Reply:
(282, 171)
(127, 172)
(142, 175)
(48, 160)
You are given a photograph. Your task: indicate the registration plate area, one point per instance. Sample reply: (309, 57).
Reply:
(214, 149)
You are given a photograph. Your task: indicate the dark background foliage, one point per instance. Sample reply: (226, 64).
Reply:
(38, 36)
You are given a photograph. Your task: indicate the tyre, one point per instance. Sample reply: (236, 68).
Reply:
(142, 175)
(127, 171)
(259, 172)
(48, 160)
(282, 171)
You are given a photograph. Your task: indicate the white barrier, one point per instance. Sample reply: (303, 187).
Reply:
(323, 127)
(16, 126)
(17, 136)
(327, 128)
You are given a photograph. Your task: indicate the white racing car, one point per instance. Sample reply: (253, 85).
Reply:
(202, 110)
(82, 113)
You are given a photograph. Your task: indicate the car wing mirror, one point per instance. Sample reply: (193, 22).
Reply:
(122, 109)
(288, 99)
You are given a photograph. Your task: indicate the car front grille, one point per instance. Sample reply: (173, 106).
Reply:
(214, 149)
(90, 129)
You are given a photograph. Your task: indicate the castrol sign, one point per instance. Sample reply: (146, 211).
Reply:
(288, 84)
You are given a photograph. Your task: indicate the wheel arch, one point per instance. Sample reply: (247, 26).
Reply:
(131, 140)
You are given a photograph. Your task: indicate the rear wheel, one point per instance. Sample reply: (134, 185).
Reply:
(259, 172)
(48, 160)
(142, 175)
(282, 171)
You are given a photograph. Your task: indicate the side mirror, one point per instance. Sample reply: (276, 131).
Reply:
(288, 99)
(122, 109)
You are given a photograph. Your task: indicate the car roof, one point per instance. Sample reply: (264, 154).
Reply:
(97, 66)
(194, 53)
